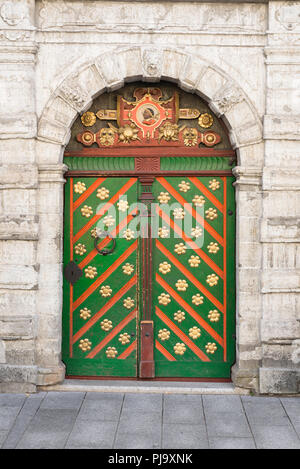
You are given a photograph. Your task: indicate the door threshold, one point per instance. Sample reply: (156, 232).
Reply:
(145, 387)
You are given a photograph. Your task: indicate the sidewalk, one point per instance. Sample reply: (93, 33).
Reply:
(151, 421)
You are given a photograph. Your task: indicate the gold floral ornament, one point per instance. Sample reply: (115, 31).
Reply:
(196, 232)
(164, 334)
(181, 285)
(211, 213)
(164, 197)
(128, 133)
(199, 200)
(111, 352)
(109, 220)
(197, 299)
(127, 268)
(164, 267)
(213, 248)
(179, 316)
(190, 136)
(106, 325)
(88, 119)
(179, 348)
(79, 187)
(128, 302)
(194, 332)
(85, 345)
(85, 313)
(194, 261)
(163, 232)
(180, 248)
(168, 132)
(178, 213)
(86, 211)
(214, 184)
(102, 193)
(80, 249)
(105, 290)
(128, 234)
(164, 299)
(205, 120)
(214, 315)
(124, 338)
(122, 205)
(94, 233)
(212, 280)
(210, 347)
(184, 186)
(90, 272)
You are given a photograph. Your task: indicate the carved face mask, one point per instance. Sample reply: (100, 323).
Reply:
(107, 137)
(190, 136)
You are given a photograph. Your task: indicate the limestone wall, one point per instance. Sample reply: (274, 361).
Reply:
(244, 59)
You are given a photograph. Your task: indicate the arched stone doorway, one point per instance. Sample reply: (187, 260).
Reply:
(74, 95)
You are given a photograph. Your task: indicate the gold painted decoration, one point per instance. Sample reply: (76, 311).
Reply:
(164, 267)
(181, 285)
(164, 299)
(184, 186)
(164, 334)
(128, 302)
(212, 280)
(124, 338)
(194, 261)
(79, 187)
(122, 205)
(205, 120)
(199, 200)
(179, 348)
(214, 184)
(190, 136)
(211, 213)
(210, 347)
(128, 234)
(180, 248)
(128, 133)
(214, 315)
(163, 232)
(111, 352)
(102, 193)
(194, 332)
(164, 197)
(197, 299)
(106, 136)
(213, 248)
(105, 291)
(80, 249)
(109, 220)
(107, 114)
(179, 316)
(94, 233)
(196, 232)
(85, 313)
(86, 211)
(178, 213)
(90, 272)
(88, 119)
(189, 113)
(106, 325)
(168, 132)
(127, 268)
(85, 345)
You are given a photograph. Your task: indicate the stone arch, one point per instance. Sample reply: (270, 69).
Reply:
(74, 95)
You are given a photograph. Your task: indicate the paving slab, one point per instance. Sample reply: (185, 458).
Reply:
(220, 404)
(184, 436)
(92, 435)
(265, 411)
(12, 400)
(231, 443)
(7, 417)
(183, 409)
(275, 437)
(63, 400)
(292, 408)
(227, 424)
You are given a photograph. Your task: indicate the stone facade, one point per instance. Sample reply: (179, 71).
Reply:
(243, 59)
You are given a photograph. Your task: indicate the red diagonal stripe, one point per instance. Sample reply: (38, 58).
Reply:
(182, 336)
(88, 192)
(165, 352)
(128, 351)
(190, 242)
(190, 310)
(105, 274)
(105, 308)
(113, 333)
(190, 209)
(104, 208)
(207, 193)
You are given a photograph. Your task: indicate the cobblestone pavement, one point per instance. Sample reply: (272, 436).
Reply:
(149, 421)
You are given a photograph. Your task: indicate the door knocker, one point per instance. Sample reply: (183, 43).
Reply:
(103, 235)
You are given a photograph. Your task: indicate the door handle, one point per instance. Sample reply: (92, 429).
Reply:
(103, 235)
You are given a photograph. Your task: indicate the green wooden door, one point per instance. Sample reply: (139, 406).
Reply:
(193, 279)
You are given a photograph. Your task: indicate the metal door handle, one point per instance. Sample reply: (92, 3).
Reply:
(103, 235)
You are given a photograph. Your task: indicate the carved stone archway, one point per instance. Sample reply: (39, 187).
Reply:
(74, 95)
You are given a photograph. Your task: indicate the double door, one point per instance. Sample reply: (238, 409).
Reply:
(149, 284)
